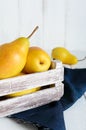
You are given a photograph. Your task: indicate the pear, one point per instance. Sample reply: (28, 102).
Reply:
(38, 60)
(13, 56)
(24, 92)
(62, 54)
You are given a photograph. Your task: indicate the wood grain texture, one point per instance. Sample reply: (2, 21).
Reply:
(26, 102)
(53, 76)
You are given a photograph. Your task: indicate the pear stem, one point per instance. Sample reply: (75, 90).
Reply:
(35, 29)
(82, 59)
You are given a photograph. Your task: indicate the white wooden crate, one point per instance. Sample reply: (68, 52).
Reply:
(54, 76)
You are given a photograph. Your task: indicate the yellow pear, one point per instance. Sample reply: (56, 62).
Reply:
(38, 60)
(13, 57)
(62, 54)
(24, 92)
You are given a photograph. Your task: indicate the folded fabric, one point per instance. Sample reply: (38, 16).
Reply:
(74, 86)
(51, 115)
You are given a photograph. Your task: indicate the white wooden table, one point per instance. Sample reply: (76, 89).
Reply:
(9, 124)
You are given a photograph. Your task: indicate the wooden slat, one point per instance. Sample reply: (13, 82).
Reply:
(30, 15)
(54, 23)
(26, 102)
(9, 20)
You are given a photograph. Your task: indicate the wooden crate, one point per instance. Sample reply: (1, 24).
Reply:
(54, 76)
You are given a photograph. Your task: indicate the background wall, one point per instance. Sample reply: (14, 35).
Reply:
(61, 22)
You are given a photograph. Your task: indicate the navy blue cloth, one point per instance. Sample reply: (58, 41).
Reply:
(51, 115)
(74, 86)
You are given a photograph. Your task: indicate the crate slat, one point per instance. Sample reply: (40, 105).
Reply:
(18, 104)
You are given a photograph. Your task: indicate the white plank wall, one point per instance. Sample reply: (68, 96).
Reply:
(8, 20)
(54, 23)
(30, 16)
(61, 22)
(19, 17)
(75, 31)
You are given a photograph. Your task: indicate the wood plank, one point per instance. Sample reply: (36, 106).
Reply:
(75, 33)
(54, 23)
(26, 102)
(30, 15)
(9, 20)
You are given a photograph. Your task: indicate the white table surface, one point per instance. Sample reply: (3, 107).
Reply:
(75, 117)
